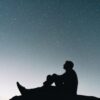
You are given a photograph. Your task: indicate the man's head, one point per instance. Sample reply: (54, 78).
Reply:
(68, 65)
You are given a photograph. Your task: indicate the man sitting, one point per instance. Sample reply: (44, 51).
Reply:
(67, 82)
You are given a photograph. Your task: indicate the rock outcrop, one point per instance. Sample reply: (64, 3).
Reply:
(51, 94)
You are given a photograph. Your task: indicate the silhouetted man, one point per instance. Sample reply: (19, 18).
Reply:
(66, 82)
(70, 80)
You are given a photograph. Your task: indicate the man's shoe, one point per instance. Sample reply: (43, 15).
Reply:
(22, 89)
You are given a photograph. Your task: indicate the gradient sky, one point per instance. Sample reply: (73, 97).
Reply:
(38, 36)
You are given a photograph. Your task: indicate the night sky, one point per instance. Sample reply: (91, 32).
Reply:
(38, 36)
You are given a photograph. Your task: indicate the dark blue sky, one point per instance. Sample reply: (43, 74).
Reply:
(37, 36)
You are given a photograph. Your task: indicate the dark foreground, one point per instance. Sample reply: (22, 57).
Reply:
(77, 97)
(51, 95)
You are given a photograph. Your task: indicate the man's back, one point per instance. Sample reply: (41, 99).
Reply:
(70, 81)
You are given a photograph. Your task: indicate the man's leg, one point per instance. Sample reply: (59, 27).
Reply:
(57, 80)
(48, 81)
(22, 89)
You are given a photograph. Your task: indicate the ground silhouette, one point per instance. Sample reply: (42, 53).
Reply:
(65, 87)
(52, 95)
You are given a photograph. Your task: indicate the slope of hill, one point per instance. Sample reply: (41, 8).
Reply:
(51, 94)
